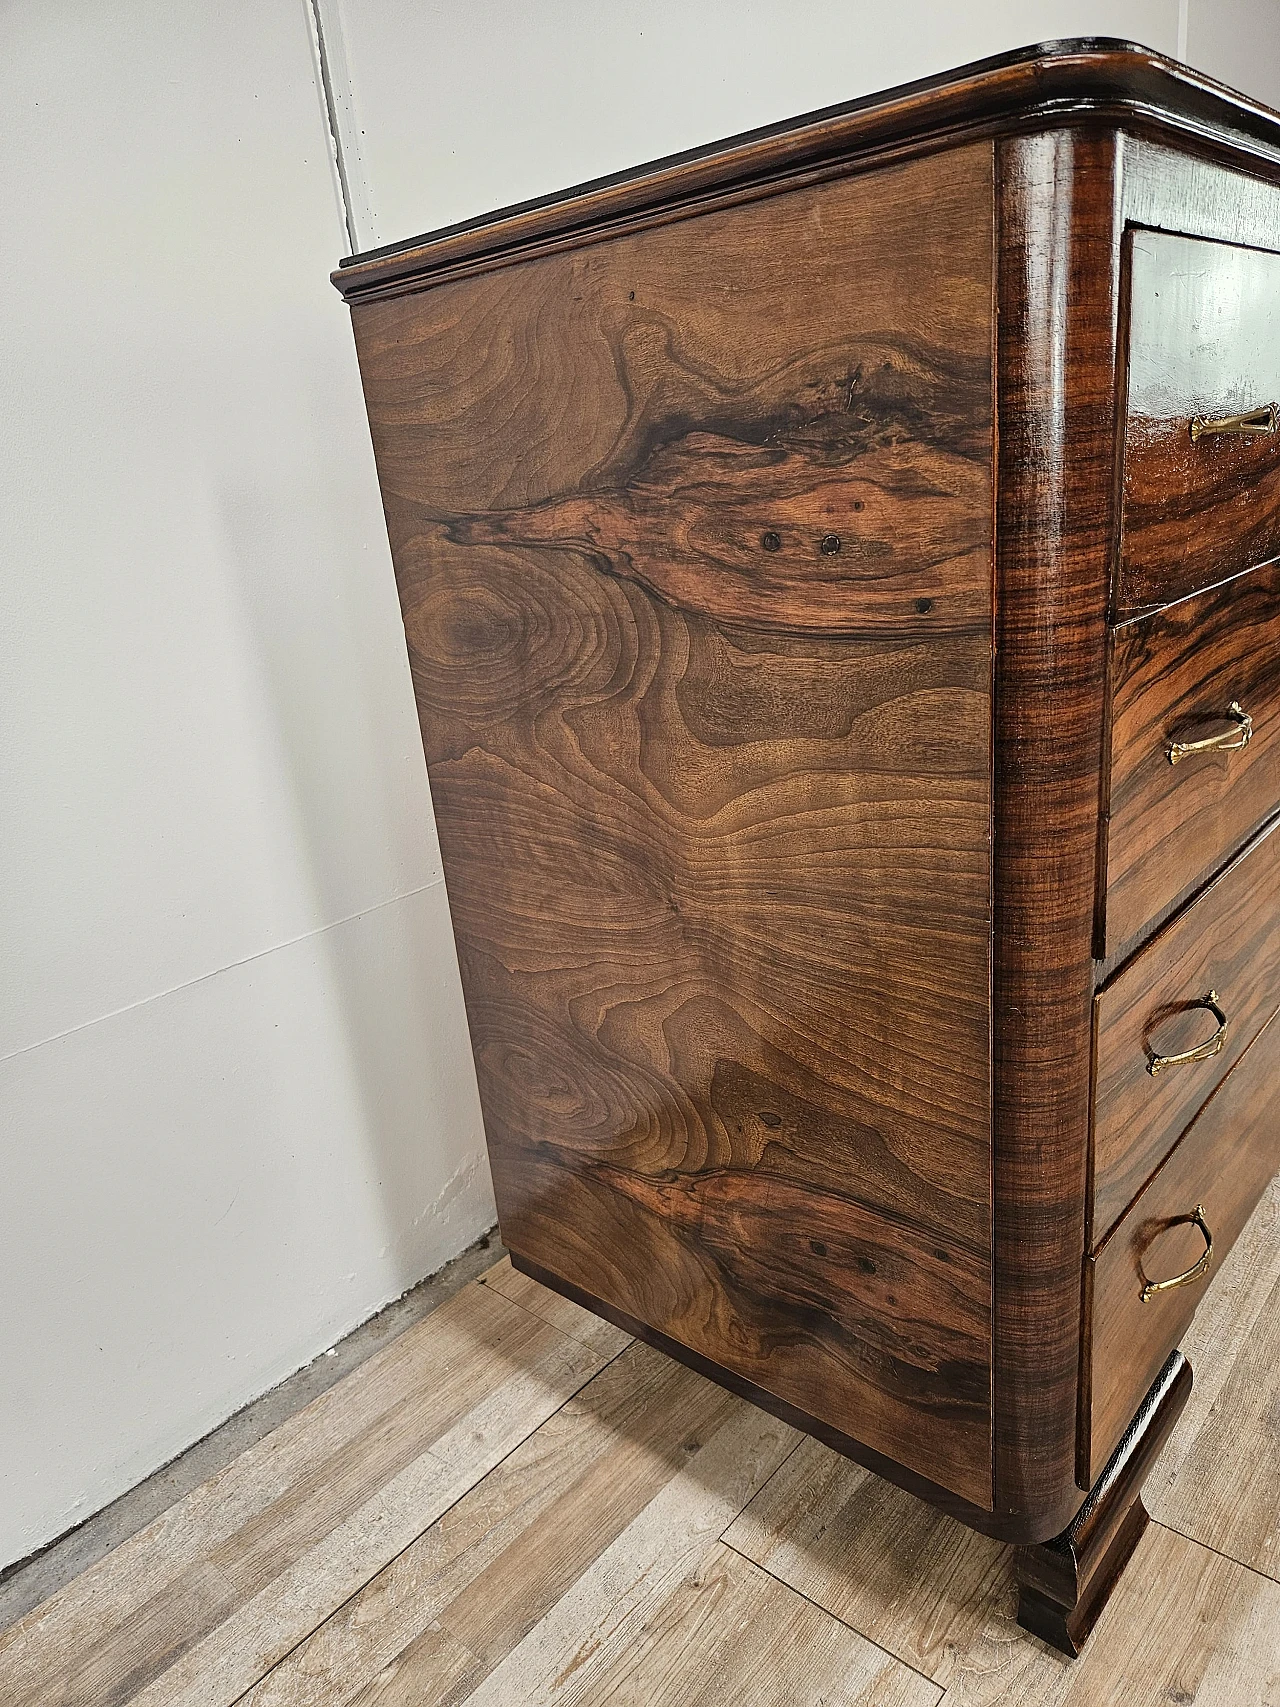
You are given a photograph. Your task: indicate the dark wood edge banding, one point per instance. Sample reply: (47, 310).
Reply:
(1055, 503)
(1017, 1527)
(1033, 87)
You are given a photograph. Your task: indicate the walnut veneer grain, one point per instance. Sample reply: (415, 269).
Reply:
(713, 801)
(1223, 1163)
(1174, 674)
(761, 521)
(1228, 943)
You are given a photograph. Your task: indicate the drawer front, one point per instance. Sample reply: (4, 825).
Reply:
(1174, 676)
(1204, 347)
(1223, 1165)
(1156, 1024)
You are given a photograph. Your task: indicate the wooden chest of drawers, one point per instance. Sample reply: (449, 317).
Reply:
(841, 573)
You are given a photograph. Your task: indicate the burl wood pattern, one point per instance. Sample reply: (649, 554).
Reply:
(1224, 1163)
(1227, 941)
(1204, 340)
(1055, 532)
(714, 801)
(1173, 675)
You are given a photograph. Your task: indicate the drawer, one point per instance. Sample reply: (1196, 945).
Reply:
(1223, 1165)
(1226, 947)
(1174, 674)
(1204, 347)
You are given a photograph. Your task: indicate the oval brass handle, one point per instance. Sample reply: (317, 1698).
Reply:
(1232, 740)
(1195, 1219)
(1253, 423)
(1203, 1051)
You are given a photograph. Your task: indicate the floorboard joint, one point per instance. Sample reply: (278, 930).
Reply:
(833, 1616)
(336, 1612)
(1207, 1547)
(520, 1553)
(484, 1280)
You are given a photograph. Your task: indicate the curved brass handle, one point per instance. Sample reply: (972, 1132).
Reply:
(1203, 1051)
(1195, 1219)
(1229, 741)
(1253, 423)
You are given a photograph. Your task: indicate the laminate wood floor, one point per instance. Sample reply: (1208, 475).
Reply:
(514, 1503)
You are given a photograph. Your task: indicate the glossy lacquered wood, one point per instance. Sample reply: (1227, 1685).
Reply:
(1223, 1165)
(1174, 676)
(1096, 81)
(1226, 943)
(790, 765)
(1204, 345)
(1064, 1583)
(1058, 313)
(713, 794)
(982, 1519)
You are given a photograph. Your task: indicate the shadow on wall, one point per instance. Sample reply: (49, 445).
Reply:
(395, 1012)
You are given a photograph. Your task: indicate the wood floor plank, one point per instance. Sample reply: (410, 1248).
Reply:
(1184, 1626)
(206, 1599)
(604, 1611)
(1218, 1480)
(562, 1313)
(913, 1581)
(1226, 1492)
(1224, 1322)
(121, 1584)
(482, 1577)
(729, 1635)
(514, 1503)
(442, 1670)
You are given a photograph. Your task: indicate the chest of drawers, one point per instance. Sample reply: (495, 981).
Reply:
(841, 574)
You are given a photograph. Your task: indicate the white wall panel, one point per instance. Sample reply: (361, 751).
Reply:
(462, 108)
(208, 750)
(205, 1191)
(1238, 42)
(207, 736)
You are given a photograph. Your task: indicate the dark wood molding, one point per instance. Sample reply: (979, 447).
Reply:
(1085, 80)
(1058, 285)
(1064, 1584)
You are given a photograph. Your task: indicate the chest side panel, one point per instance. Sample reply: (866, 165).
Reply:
(692, 530)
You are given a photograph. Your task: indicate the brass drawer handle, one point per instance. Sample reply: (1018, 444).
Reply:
(1252, 424)
(1232, 740)
(1203, 1051)
(1195, 1219)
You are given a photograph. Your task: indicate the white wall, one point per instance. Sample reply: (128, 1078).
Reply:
(473, 104)
(237, 1102)
(237, 1108)
(1238, 42)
